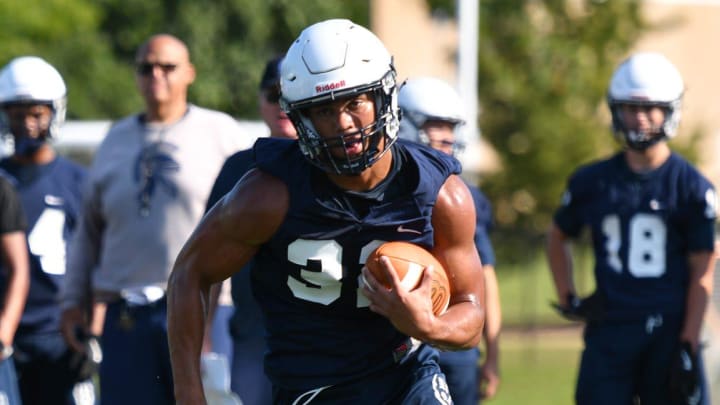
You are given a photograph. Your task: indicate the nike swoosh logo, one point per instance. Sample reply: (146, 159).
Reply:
(402, 229)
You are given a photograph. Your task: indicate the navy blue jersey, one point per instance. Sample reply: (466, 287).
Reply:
(232, 170)
(320, 330)
(50, 196)
(643, 227)
(484, 224)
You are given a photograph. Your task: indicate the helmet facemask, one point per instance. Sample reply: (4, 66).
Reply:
(333, 60)
(418, 120)
(28, 81)
(641, 140)
(25, 144)
(385, 126)
(423, 99)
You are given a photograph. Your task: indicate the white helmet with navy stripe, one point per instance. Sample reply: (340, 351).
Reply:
(646, 79)
(334, 59)
(427, 98)
(31, 80)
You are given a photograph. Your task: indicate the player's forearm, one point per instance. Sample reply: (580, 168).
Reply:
(214, 297)
(18, 283)
(560, 262)
(186, 321)
(699, 291)
(460, 328)
(493, 313)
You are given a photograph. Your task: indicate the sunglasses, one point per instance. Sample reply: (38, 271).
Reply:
(147, 68)
(272, 95)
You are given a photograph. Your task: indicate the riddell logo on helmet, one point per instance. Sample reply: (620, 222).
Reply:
(329, 86)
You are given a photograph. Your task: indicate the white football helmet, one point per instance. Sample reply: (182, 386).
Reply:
(31, 80)
(330, 60)
(426, 98)
(646, 78)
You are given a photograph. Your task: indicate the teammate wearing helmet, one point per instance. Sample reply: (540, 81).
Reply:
(32, 109)
(651, 216)
(433, 114)
(247, 332)
(310, 213)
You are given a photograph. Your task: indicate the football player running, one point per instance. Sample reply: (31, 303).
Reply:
(32, 109)
(651, 215)
(310, 213)
(433, 114)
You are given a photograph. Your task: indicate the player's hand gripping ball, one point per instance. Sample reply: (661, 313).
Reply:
(409, 260)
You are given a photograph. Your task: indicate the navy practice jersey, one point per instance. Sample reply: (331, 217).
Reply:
(484, 224)
(320, 330)
(50, 196)
(643, 227)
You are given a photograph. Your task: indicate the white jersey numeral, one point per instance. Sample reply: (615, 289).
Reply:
(322, 284)
(47, 242)
(646, 244)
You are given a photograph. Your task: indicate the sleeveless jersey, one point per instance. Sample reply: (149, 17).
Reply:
(643, 227)
(305, 278)
(50, 196)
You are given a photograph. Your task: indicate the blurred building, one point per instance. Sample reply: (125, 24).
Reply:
(686, 28)
(426, 44)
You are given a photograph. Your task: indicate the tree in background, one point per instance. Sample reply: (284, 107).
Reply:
(543, 74)
(67, 34)
(93, 44)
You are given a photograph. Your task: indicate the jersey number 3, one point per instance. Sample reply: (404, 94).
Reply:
(646, 244)
(322, 271)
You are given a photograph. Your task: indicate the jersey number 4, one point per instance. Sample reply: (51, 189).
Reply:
(47, 242)
(647, 235)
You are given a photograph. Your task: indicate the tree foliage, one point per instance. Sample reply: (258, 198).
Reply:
(93, 44)
(544, 67)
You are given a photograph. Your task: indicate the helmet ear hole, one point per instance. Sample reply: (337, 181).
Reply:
(332, 60)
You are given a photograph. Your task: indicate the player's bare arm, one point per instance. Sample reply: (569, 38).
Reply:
(16, 260)
(702, 268)
(225, 240)
(560, 262)
(410, 312)
(454, 224)
(490, 375)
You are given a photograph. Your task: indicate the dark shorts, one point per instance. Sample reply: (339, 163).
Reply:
(45, 369)
(623, 360)
(418, 381)
(462, 371)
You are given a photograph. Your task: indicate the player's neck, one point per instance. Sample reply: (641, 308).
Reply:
(165, 113)
(368, 179)
(44, 155)
(643, 161)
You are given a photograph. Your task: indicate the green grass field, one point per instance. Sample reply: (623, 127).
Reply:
(538, 367)
(539, 350)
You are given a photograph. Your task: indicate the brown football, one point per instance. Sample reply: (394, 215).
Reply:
(409, 260)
